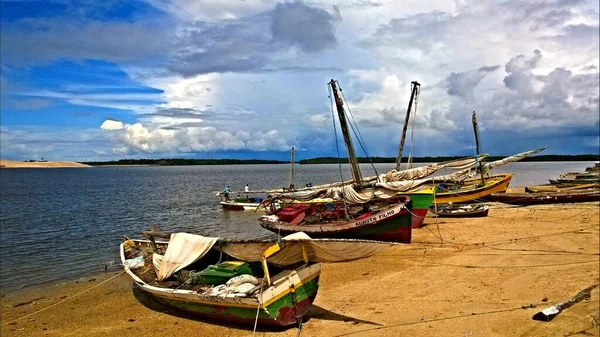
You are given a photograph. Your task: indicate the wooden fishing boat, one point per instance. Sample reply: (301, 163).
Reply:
(420, 201)
(460, 210)
(360, 210)
(472, 189)
(384, 220)
(272, 283)
(242, 204)
(591, 175)
(547, 197)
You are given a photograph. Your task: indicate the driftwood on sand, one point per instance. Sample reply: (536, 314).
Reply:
(549, 313)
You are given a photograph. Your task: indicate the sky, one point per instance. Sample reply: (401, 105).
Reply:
(104, 80)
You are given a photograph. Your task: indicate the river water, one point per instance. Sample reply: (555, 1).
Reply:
(66, 223)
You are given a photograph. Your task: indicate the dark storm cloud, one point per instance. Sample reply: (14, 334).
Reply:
(309, 28)
(226, 46)
(30, 41)
(519, 69)
(558, 98)
(462, 84)
(251, 43)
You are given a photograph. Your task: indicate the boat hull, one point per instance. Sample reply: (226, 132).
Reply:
(421, 201)
(455, 212)
(240, 206)
(545, 198)
(497, 183)
(282, 312)
(391, 225)
(283, 303)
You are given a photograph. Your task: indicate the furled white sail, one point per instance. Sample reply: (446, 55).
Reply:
(425, 171)
(488, 166)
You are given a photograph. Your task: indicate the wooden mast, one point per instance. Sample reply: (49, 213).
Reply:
(356, 175)
(292, 173)
(414, 90)
(476, 131)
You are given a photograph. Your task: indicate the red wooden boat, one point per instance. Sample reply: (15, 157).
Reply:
(546, 198)
(388, 220)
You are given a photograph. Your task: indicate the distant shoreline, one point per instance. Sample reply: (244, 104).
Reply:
(321, 160)
(325, 160)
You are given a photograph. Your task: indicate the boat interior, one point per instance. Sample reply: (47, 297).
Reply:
(210, 275)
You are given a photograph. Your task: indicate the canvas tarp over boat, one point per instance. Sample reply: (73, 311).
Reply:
(317, 250)
(183, 250)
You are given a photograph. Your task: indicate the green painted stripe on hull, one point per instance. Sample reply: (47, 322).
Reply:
(421, 201)
(305, 291)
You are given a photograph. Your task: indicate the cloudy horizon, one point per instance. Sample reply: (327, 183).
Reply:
(90, 81)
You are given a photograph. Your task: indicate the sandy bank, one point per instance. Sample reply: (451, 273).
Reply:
(4, 163)
(459, 277)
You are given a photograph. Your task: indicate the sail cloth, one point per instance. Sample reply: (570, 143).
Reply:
(317, 250)
(393, 175)
(425, 171)
(418, 184)
(183, 250)
(347, 192)
(488, 166)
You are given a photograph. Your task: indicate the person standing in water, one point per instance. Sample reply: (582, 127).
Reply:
(247, 189)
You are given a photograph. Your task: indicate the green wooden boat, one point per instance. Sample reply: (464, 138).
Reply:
(280, 293)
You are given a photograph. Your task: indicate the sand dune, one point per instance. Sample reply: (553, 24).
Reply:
(4, 163)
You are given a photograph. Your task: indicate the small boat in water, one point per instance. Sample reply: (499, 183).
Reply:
(273, 283)
(460, 210)
(242, 204)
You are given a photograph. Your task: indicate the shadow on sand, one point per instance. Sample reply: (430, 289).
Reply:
(315, 311)
(321, 313)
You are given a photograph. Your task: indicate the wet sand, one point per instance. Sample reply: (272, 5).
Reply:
(459, 277)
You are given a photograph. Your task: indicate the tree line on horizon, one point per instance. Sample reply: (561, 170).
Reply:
(326, 160)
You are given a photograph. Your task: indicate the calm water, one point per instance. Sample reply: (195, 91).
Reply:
(66, 223)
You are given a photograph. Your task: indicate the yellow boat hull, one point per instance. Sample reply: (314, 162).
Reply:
(470, 191)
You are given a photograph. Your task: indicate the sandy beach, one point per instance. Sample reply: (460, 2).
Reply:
(4, 163)
(459, 277)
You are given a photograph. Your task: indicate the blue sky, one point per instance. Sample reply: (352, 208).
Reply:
(90, 80)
